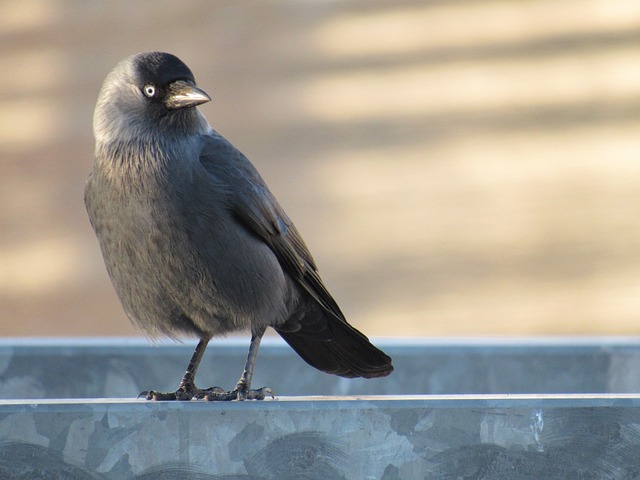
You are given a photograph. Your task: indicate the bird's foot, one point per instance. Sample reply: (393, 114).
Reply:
(212, 394)
(239, 393)
(183, 393)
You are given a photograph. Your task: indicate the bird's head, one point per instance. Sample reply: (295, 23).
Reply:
(146, 94)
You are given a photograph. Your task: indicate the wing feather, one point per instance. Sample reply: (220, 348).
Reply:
(258, 210)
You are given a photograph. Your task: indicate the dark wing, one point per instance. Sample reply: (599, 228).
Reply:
(320, 334)
(256, 207)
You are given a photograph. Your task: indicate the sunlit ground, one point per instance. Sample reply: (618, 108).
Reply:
(457, 168)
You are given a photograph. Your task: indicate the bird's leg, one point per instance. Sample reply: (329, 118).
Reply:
(187, 388)
(243, 388)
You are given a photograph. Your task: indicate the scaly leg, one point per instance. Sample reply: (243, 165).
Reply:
(187, 388)
(243, 389)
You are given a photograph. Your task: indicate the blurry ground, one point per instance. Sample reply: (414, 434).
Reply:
(456, 167)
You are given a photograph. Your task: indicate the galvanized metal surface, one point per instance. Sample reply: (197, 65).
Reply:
(401, 435)
(91, 368)
(378, 438)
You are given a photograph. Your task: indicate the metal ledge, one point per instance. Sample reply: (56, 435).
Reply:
(442, 437)
(491, 434)
(97, 368)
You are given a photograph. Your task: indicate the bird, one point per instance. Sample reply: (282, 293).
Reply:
(193, 240)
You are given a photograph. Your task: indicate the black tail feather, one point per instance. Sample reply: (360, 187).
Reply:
(338, 349)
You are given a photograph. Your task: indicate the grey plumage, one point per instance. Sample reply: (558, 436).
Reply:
(192, 238)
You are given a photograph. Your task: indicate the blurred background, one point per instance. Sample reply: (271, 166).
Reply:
(459, 167)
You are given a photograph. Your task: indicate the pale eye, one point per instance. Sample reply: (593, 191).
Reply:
(149, 90)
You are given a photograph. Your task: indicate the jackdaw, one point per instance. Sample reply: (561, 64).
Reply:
(193, 240)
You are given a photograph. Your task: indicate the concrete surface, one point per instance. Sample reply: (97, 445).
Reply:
(381, 429)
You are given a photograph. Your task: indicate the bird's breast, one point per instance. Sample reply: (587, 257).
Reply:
(171, 244)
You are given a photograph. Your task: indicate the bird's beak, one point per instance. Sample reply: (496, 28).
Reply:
(185, 94)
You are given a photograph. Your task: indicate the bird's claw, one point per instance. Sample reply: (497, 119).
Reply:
(153, 395)
(203, 394)
(240, 394)
(212, 394)
(181, 394)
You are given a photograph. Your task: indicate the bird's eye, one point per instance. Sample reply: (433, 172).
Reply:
(149, 90)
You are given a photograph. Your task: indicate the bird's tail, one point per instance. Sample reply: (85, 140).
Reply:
(333, 346)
